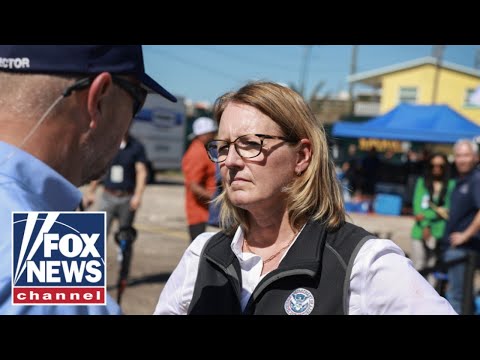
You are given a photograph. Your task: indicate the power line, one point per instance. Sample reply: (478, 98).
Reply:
(244, 59)
(201, 66)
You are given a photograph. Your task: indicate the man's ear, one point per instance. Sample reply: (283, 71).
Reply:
(304, 155)
(96, 96)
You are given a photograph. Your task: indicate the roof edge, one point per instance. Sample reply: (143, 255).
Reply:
(410, 64)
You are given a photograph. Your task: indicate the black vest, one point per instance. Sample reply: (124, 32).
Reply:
(317, 266)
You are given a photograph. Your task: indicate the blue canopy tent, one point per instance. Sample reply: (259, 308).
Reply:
(425, 123)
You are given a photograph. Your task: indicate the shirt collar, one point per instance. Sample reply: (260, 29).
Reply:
(237, 242)
(39, 179)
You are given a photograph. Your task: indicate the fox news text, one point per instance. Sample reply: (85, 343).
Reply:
(58, 258)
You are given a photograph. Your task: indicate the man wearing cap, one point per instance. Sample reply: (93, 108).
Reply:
(63, 112)
(199, 176)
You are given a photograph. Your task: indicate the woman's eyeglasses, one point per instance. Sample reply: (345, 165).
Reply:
(138, 93)
(247, 146)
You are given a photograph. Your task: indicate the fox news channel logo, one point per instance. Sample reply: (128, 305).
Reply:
(58, 258)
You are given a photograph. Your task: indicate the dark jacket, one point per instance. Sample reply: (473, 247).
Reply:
(314, 276)
(464, 205)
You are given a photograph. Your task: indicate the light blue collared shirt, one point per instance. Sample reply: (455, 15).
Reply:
(28, 184)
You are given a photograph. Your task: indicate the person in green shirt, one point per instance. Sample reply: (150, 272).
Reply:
(431, 201)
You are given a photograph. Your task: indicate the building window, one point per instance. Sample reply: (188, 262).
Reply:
(408, 95)
(472, 99)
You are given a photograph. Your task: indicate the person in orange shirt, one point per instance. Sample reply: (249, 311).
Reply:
(199, 175)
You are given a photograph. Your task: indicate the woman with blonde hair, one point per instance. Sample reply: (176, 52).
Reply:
(284, 245)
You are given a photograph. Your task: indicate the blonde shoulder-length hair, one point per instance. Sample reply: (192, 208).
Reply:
(316, 194)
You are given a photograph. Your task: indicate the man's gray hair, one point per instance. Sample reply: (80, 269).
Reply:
(473, 145)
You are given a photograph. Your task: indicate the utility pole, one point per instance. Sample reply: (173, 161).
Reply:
(437, 53)
(477, 59)
(353, 70)
(303, 74)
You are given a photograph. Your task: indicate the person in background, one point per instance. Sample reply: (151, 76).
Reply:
(63, 112)
(123, 188)
(370, 166)
(411, 171)
(463, 226)
(199, 175)
(388, 157)
(214, 207)
(353, 174)
(123, 184)
(431, 202)
(285, 246)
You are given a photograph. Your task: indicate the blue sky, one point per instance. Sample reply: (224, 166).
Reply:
(204, 72)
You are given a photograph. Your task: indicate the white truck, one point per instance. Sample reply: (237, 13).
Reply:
(160, 126)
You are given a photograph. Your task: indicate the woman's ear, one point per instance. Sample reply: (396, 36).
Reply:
(96, 96)
(304, 156)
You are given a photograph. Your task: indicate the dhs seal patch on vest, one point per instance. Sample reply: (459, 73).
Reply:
(300, 302)
(58, 258)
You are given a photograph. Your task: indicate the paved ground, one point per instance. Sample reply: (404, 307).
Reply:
(163, 237)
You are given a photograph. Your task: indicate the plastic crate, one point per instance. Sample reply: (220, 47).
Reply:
(387, 204)
(358, 207)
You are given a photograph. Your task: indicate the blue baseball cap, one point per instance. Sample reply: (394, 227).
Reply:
(79, 59)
